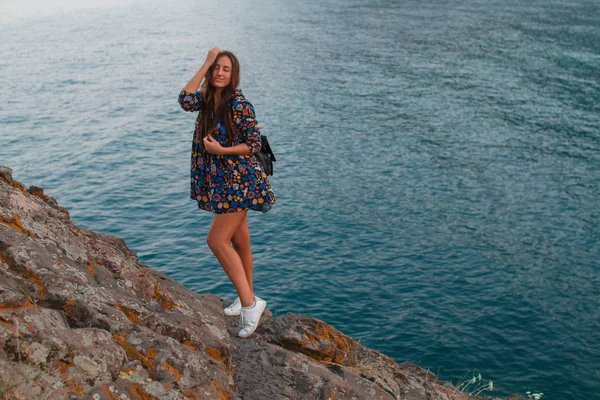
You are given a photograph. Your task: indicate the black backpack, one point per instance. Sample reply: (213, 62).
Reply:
(265, 156)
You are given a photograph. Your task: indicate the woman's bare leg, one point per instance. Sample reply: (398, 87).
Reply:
(219, 240)
(241, 244)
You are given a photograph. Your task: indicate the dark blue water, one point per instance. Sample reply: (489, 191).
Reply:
(438, 173)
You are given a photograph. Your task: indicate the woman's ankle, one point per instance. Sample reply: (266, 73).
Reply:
(249, 307)
(252, 302)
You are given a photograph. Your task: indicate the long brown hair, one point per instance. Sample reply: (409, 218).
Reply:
(206, 120)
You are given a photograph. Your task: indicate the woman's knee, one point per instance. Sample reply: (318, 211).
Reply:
(222, 230)
(215, 243)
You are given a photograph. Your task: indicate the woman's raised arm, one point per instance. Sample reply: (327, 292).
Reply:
(194, 83)
(189, 99)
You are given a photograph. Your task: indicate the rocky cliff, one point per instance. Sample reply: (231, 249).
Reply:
(81, 317)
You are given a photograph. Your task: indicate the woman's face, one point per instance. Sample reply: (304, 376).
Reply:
(221, 75)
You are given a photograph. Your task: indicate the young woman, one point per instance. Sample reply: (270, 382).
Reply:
(225, 177)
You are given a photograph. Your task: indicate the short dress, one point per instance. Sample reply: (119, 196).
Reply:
(228, 183)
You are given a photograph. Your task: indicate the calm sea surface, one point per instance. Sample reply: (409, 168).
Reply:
(438, 173)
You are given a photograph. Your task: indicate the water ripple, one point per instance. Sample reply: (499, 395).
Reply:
(437, 176)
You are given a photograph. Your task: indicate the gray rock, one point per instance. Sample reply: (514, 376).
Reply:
(6, 174)
(35, 190)
(80, 317)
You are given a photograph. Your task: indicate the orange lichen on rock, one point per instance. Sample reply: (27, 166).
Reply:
(140, 393)
(216, 354)
(172, 370)
(76, 388)
(111, 396)
(32, 277)
(121, 339)
(27, 274)
(8, 324)
(327, 333)
(128, 371)
(11, 306)
(69, 307)
(339, 348)
(152, 353)
(16, 224)
(162, 299)
(222, 396)
(188, 343)
(90, 265)
(90, 268)
(41, 195)
(19, 186)
(191, 395)
(63, 367)
(387, 360)
(131, 314)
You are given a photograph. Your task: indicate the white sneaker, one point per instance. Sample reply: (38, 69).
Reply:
(234, 309)
(251, 317)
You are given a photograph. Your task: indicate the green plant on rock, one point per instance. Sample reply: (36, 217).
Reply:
(475, 386)
(27, 293)
(534, 396)
(9, 385)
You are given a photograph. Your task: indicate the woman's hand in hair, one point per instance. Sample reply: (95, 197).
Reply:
(211, 57)
(194, 83)
(212, 146)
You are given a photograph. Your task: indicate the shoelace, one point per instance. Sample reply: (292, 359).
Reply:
(244, 326)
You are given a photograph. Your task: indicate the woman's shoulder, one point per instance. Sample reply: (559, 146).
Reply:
(239, 100)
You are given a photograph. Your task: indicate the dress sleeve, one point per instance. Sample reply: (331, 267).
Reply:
(247, 125)
(190, 101)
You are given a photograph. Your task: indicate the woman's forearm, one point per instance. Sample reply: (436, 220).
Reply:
(237, 150)
(194, 83)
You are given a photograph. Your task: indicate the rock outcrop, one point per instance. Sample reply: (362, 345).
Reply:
(81, 317)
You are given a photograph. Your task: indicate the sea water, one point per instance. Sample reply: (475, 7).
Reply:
(437, 174)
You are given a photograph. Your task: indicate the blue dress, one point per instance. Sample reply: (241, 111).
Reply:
(229, 183)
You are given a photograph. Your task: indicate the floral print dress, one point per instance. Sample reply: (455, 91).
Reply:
(229, 183)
